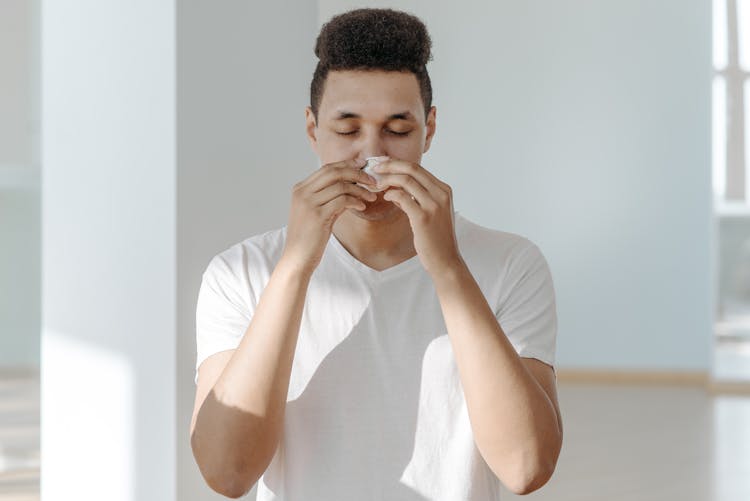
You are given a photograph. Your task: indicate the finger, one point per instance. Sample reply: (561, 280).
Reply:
(339, 204)
(314, 176)
(403, 201)
(419, 173)
(342, 187)
(333, 173)
(437, 188)
(412, 187)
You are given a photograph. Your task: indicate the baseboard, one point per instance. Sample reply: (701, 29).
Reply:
(19, 372)
(729, 387)
(656, 378)
(592, 376)
(682, 378)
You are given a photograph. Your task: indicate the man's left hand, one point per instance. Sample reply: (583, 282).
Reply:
(428, 203)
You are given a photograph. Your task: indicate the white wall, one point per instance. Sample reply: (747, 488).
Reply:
(16, 68)
(585, 125)
(20, 265)
(108, 250)
(244, 72)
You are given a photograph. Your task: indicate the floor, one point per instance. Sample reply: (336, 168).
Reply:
(622, 442)
(19, 437)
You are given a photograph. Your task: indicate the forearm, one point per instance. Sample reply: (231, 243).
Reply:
(513, 420)
(239, 424)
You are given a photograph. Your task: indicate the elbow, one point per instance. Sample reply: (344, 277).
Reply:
(232, 486)
(230, 483)
(527, 473)
(228, 487)
(530, 480)
(229, 480)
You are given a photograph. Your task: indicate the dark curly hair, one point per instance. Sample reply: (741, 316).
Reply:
(372, 39)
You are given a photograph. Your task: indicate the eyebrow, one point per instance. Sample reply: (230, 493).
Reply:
(404, 115)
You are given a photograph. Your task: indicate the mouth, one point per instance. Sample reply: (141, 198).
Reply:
(369, 204)
(379, 200)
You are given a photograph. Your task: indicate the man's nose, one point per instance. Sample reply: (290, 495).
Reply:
(372, 145)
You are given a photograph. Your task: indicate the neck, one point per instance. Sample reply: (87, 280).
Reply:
(377, 243)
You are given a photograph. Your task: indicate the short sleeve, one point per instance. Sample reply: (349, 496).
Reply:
(528, 316)
(222, 313)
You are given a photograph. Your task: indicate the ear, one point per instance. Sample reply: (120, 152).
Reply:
(429, 128)
(311, 128)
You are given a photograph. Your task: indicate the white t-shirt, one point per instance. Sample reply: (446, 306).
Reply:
(375, 408)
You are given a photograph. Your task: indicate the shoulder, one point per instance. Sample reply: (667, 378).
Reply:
(488, 246)
(255, 253)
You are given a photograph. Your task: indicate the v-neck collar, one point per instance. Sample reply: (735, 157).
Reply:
(410, 264)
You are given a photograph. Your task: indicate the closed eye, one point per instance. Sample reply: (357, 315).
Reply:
(390, 131)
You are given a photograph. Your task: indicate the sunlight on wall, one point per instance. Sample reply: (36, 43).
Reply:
(747, 134)
(719, 137)
(87, 437)
(731, 103)
(743, 33)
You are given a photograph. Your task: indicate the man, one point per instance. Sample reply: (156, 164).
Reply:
(381, 345)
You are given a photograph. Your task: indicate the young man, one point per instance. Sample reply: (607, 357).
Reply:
(380, 345)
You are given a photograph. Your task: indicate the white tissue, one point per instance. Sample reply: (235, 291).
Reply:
(372, 162)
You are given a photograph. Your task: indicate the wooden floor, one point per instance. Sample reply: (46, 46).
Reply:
(622, 442)
(19, 437)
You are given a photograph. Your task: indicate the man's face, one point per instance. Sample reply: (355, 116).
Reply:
(370, 114)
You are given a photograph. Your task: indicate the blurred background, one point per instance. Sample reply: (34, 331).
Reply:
(139, 139)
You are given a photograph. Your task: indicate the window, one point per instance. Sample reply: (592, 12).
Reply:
(731, 102)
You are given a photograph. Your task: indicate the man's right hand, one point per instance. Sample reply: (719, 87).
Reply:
(317, 202)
